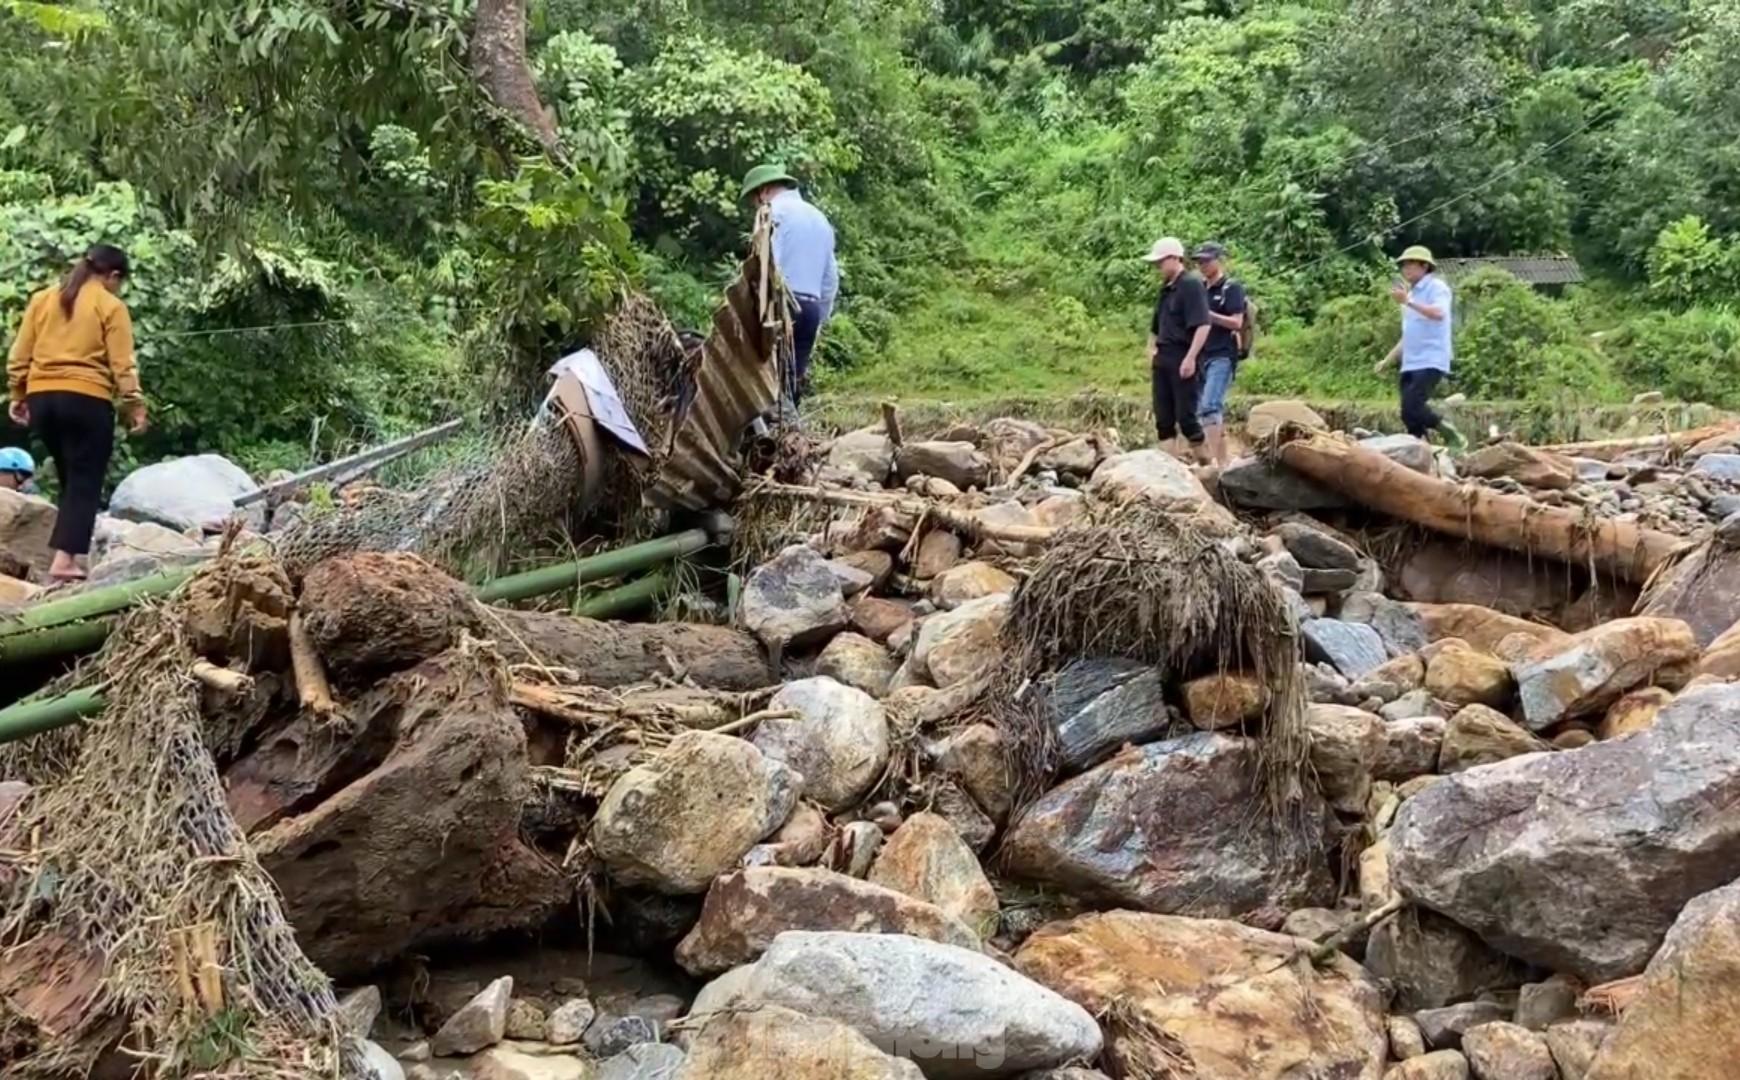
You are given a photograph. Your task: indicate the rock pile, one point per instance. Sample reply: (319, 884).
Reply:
(1509, 855)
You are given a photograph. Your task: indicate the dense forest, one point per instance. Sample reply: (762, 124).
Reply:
(350, 216)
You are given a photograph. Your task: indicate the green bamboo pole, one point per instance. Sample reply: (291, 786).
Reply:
(38, 715)
(44, 642)
(93, 603)
(606, 564)
(633, 596)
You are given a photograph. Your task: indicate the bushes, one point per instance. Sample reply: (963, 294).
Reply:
(1689, 356)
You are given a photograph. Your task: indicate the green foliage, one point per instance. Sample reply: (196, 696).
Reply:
(1688, 266)
(704, 114)
(1690, 356)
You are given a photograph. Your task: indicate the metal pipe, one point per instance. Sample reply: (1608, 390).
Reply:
(364, 462)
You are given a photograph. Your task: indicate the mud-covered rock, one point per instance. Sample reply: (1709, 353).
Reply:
(1165, 828)
(1477, 735)
(866, 453)
(856, 661)
(927, 860)
(240, 612)
(793, 599)
(1460, 674)
(424, 848)
(956, 1011)
(1634, 712)
(1591, 671)
(1152, 476)
(1527, 465)
(1580, 862)
(1226, 700)
(770, 1041)
(614, 654)
(747, 909)
(974, 756)
(686, 817)
(1267, 417)
(969, 581)
(1503, 1051)
(838, 742)
(954, 646)
(1683, 1026)
(1484, 628)
(1232, 999)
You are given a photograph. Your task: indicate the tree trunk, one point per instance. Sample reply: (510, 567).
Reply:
(627, 654)
(1610, 449)
(1620, 548)
(498, 61)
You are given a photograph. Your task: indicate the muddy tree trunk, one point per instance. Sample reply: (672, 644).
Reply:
(498, 60)
(626, 654)
(1622, 549)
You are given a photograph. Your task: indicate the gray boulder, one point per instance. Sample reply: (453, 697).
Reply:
(1579, 862)
(866, 453)
(1316, 549)
(1398, 625)
(643, 1061)
(838, 741)
(1432, 962)
(1444, 1028)
(1353, 648)
(1255, 483)
(960, 463)
(1130, 707)
(1404, 450)
(794, 599)
(196, 492)
(1169, 828)
(957, 1012)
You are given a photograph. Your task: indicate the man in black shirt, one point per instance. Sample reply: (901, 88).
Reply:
(1220, 355)
(1175, 338)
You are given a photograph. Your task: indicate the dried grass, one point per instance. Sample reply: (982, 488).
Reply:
(1148, 586)
(135, 862)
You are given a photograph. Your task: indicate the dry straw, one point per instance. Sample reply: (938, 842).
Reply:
(134, 870)
(1149, 586)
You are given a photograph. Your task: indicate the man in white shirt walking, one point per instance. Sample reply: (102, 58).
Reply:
(803, 253)
(1425, 348)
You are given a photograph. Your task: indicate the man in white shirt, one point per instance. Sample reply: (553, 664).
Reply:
(1425, 347)
(803, 253)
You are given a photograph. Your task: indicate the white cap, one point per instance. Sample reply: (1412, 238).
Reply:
(1167, 247)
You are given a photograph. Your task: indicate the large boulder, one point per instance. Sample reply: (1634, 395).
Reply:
(1486, 629)
(954, 646)
(838, 742)
(380, 611)
(1505, 1051)
(1703, 590)
(26, 523)
(1316, 549)
(1432, 962)
(1268, 417)
(425, 847)
(1594, 668)
(769, 1041)
(196, 492)
(1683, 1025)
(957, 1012)
(1232, 1002)
(1527, 465)
(969, 581)
(1261, 483)
(687, 816)
(1459, 674)
(1478, 735)
(960, 463)
(1405, 450)
(793, 599)
(867, 454)
(1152, 476)
(1579, 862)
(1097, 706)
(747, 909)
(927, 860)
(1354, 648)
(1168, 828)
(1442, 570)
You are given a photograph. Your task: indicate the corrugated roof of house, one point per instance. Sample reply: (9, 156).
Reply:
(1534, 269)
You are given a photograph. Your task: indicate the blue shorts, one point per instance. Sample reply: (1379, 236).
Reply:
(1217, 377)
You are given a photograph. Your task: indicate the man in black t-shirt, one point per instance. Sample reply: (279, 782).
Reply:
(1220, 355)
(1179, 329)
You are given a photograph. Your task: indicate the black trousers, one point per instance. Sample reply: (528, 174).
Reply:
(806, 327)
(1418, 415)
(1175, 400)
(79, 432)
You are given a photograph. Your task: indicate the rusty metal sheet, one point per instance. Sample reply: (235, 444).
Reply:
(735, 381)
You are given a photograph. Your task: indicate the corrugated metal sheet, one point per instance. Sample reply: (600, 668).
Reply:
(736, 380)
(1533, 269)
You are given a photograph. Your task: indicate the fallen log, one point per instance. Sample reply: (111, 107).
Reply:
(1608, 449)
(632, 654)
(1622, 549)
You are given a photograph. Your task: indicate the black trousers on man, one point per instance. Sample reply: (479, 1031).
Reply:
(806, 328)
(1175, 400)
(79, 432)
(1418, 416)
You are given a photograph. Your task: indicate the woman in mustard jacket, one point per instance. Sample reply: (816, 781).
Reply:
(71, 362)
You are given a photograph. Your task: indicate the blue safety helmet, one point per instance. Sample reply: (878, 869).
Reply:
(17, 459)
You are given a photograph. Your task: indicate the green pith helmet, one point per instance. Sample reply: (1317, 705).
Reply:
(1419, 253)
(762, 175)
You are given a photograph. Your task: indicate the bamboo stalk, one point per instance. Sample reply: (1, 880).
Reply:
(633, 596)
(606, 564)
